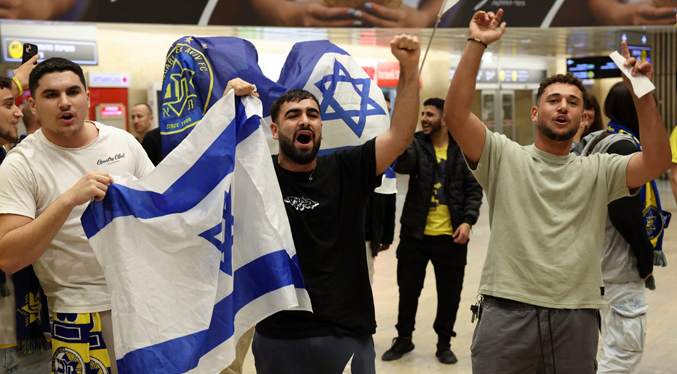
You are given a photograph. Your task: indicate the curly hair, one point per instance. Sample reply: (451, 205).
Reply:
(562, 78)
(5, 83)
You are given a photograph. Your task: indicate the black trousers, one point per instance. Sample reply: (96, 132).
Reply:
(449, 261)
(318, 355)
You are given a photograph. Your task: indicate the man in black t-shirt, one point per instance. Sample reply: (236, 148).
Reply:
(325, 199)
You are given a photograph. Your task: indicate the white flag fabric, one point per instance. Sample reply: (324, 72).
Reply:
(448, 4)
(199, 251)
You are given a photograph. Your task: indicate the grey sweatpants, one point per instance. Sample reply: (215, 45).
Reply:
(513, 337)
(318, 355)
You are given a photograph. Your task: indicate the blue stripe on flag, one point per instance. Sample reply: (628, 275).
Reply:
(193, 186)
(182, 354)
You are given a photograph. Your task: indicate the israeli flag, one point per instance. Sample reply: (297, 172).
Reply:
(199, 251)
(353, 108)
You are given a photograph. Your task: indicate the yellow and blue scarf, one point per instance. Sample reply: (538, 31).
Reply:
(32, 320)
(655, 219)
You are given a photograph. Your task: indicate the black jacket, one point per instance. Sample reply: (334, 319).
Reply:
(379, 220)
(463, 193)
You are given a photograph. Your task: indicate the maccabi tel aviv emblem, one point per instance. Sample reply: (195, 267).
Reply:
(182, 105)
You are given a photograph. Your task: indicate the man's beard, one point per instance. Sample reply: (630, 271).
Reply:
(434, 128)
(300, 157)
(550, 134)
(9, 135)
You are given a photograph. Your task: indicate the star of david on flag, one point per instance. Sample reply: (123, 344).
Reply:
(200, 250)
(197, 71)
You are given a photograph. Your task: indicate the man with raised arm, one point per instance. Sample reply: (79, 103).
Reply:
(541, 282)
(325, 198)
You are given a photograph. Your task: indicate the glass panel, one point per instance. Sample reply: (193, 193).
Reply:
(488, 108)
(507, 106)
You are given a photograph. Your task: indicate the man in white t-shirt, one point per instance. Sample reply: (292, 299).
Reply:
(541, 281)
(46, 183)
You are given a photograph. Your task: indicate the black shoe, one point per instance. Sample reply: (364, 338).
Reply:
(400, 347)
(446, 356)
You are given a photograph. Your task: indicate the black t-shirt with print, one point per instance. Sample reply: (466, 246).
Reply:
(326, 216)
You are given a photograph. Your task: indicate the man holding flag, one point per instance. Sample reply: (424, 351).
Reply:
(45, 185)
(325, 200)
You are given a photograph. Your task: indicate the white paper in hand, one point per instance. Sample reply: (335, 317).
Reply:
(640, 84)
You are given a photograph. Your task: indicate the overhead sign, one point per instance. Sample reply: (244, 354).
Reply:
(521, 75)
(80, 52)
(112, 111)
(483, 75)
(370, 70)
(593, 68)
(97, 79)
(387, 74)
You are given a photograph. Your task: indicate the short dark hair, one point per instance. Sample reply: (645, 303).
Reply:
(150, 111)
(567, 78)
(53, 65)
(436, 102)
(5, 83)
(293, 96)
(620, 107)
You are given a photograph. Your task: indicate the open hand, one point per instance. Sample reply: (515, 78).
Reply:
(644, 13)
(487, 27)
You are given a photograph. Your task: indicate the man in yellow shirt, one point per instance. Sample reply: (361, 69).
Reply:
(443, 201)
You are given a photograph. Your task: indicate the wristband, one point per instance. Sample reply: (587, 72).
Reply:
(18, 85)
(479, 41)
(469, 225)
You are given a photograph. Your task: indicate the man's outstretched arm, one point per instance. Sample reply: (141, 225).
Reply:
(464, 126)
(393, 142)
(655, 158)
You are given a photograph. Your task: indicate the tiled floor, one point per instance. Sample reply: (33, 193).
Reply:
(661, 340)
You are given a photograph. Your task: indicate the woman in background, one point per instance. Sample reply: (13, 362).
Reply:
(591, 122)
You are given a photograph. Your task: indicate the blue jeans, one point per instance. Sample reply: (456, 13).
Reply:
(623, 328)
(37, 363)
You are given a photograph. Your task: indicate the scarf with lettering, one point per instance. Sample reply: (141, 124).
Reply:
(32, 319)
(655, 219)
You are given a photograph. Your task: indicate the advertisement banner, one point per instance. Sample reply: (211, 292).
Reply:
(361, 13)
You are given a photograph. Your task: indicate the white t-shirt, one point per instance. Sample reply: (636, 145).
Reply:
(37, 172)
(547, 215)
(8, 317)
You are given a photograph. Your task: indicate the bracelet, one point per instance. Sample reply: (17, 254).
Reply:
(479, 41)
(18, 85)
